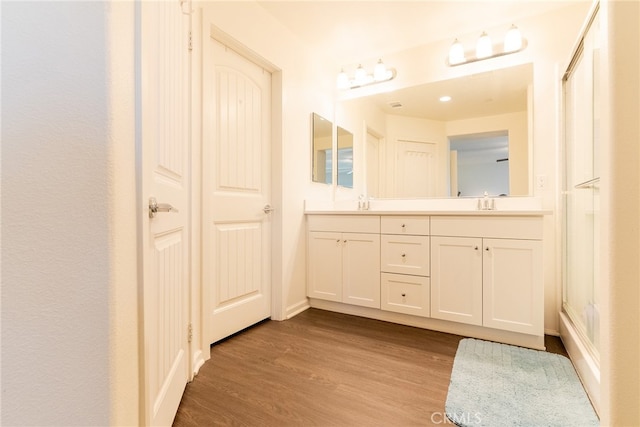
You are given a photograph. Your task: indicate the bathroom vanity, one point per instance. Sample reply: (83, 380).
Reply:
(469, 272)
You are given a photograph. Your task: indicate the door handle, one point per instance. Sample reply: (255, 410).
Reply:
(268, 209)
(155, 207)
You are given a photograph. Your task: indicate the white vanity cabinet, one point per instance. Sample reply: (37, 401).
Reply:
(405, 264)
(475, 274)
(488, 271)
(344, 259)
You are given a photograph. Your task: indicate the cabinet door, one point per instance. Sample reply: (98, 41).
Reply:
(513, 287)
(456, 279)
(324, 275)
(361, 269)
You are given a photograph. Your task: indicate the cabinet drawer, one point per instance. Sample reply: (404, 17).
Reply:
(405, 254)
(414, 225)
(499, 227)
(406, 294)
(344, 223)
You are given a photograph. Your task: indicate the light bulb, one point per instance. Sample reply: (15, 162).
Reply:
(343, 80)
(484, 48)
(380, 71)
(360, 75)
(513, 40)
(456, 53)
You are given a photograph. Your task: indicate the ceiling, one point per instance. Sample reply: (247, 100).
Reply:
(350, 31)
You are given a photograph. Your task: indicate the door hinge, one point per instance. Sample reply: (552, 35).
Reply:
(190, 333)
(190, 41)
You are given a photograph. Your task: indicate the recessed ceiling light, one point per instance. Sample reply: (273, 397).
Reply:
(446, 98)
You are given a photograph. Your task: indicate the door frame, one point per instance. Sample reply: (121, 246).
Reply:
(200, 296)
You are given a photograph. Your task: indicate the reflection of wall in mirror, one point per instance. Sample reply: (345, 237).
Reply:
(515, 125)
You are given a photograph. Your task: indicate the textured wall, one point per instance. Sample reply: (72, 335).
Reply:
(54, 219)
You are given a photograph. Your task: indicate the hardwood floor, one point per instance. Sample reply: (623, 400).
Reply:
(325, 369)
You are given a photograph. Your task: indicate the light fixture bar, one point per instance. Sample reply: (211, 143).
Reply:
(361, 78)
(485, 49)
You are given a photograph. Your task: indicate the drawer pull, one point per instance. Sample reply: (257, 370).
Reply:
(404, 255)
(404, 295)
(403, 226)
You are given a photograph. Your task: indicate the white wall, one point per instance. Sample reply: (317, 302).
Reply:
(55, 225)
(620, 204)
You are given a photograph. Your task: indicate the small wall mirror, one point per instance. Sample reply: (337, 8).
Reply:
(322, 145)
(345, 158)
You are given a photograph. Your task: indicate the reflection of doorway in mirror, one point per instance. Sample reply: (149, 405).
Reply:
(479, 164)
(417, 169)
(373, 165)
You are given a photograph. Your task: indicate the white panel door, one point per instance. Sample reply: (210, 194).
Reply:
(236, 190)
(456, 279)
(165, 171)
(417, 169)
(361, 269)
(512, 287)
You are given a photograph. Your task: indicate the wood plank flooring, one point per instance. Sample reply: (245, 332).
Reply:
(325, 369)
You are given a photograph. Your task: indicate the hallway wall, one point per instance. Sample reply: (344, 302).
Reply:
(55, 224)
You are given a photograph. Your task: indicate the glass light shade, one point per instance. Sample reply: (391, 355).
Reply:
(360, 75)
(484, 48)
(456, 53)
(343, 80)
(380, 71)
(513, 40)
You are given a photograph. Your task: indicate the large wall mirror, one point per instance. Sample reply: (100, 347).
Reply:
(322, 146)
(479, 140)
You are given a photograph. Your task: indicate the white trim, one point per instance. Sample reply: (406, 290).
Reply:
(197, 361)
(586, 367)
(297, 308)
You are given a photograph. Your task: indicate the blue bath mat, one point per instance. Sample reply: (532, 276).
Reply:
(503, 385)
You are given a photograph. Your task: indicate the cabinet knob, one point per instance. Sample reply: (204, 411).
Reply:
(403, 255)
(476, 248)
(345, 241)
(404, 295)
(487, 249)
(338, 241)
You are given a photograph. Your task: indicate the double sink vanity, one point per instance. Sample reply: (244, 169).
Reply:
(439, 264)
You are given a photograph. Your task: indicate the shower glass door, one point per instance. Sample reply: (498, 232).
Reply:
(581, 192)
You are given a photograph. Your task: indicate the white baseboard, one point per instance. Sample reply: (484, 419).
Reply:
(586, 367)
(295, 309)
(197, 362)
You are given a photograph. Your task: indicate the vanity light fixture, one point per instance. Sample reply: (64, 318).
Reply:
(485, 49)
(361, 78)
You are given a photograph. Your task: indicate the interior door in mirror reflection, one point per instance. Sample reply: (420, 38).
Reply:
(417, 169)
(322, 145)
(345, 158)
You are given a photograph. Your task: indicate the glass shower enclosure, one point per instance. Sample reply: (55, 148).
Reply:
(581, 195)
